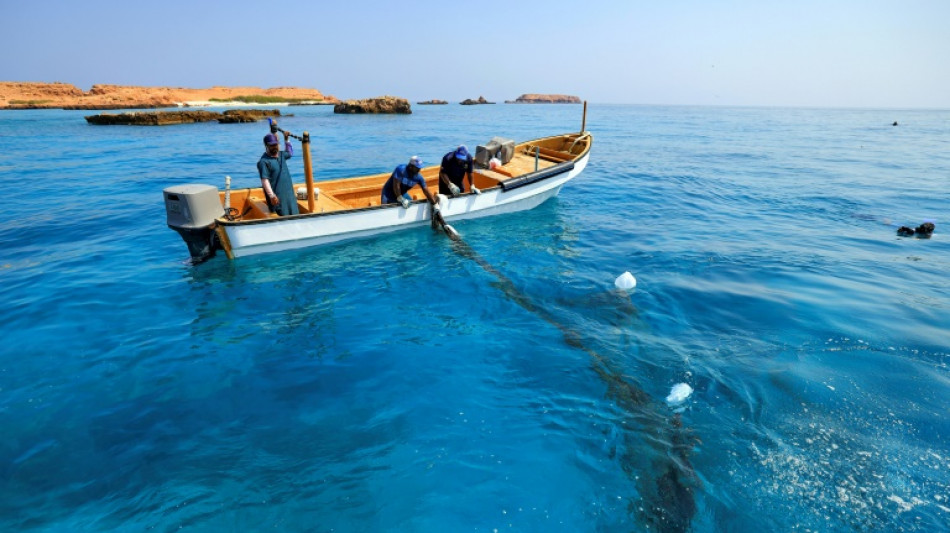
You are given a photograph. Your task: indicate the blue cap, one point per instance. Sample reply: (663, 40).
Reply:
(270, 139)
(461, 152)
(415, 161)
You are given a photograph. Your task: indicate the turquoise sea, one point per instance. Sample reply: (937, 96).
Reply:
(401, 383)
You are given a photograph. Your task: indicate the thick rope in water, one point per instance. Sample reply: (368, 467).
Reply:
(670, 504)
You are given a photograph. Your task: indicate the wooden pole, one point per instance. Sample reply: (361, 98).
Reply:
(308, 171)
(584, 120)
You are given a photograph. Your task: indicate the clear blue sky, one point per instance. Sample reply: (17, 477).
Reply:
(834, 53)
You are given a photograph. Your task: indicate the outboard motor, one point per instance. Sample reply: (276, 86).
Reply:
(191, 210)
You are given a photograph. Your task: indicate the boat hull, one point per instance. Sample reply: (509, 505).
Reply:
(288, 233)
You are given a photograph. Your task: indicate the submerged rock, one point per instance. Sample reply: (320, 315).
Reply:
(380, 105)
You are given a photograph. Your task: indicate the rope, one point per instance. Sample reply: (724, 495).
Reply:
(232, 213)
(582, 136)
(298, 137)
(672, 501)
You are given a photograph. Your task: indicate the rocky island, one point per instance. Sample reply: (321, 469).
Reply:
(544, 99)
(481, 100)
(433, 102)
(57, 95)
(380, 105)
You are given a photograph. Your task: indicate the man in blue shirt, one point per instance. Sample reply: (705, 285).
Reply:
(404, 178)
(455, 165)
(275, 176)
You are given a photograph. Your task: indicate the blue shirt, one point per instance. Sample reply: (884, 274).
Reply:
(456, 169)
(401, 174)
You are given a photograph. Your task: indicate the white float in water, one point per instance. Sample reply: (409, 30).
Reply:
(679, 393)
(626, 281)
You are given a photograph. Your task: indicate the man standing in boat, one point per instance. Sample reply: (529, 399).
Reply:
(455, 166)
(275, 176)
(406, 177)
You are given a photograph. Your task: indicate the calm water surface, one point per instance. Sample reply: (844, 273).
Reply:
(395, 384)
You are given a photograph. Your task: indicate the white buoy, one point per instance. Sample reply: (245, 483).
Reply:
(679, 393)
(626, 281)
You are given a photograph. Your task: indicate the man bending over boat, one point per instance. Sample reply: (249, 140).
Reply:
(455, 165)
(406, 177)
(275, 176)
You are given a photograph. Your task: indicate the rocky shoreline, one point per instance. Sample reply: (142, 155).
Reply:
(57, 95)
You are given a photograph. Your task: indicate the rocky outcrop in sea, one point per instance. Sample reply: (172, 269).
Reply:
(380, 105)
(481, 100)
(236, 116)
(545, 99)
(165, 118)
(433, 102)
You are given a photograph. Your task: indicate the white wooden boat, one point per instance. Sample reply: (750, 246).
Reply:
(350, 208)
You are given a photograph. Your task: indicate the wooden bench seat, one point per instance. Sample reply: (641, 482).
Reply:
(260, 210)
(547, 153)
